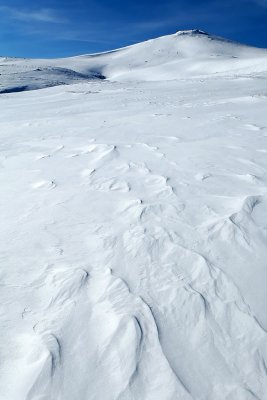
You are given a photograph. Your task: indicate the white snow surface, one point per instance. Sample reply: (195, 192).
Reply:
(134, 223)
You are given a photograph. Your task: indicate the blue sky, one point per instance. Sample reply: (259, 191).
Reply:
(58, 28)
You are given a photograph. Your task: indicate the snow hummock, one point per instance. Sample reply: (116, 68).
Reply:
(134, 223)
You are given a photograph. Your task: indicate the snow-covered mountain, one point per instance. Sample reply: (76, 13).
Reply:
(186, 53)
(133, 234)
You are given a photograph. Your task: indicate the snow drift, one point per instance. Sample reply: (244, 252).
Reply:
(134, 224)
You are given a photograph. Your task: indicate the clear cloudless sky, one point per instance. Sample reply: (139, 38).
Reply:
(58, 28)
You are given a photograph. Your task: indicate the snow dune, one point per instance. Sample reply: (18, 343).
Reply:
(134, 223)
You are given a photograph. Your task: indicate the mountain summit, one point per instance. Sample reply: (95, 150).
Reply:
(192, 32)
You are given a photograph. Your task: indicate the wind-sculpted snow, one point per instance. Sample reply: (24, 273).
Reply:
(133, 240)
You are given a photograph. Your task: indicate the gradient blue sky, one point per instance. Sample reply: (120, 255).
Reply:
(58, 28)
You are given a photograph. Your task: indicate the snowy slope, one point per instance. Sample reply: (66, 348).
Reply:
(186, 53)
(133, 235)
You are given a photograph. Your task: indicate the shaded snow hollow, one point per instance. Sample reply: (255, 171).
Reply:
(134, 223)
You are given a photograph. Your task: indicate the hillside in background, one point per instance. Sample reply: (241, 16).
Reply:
(186, 53)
